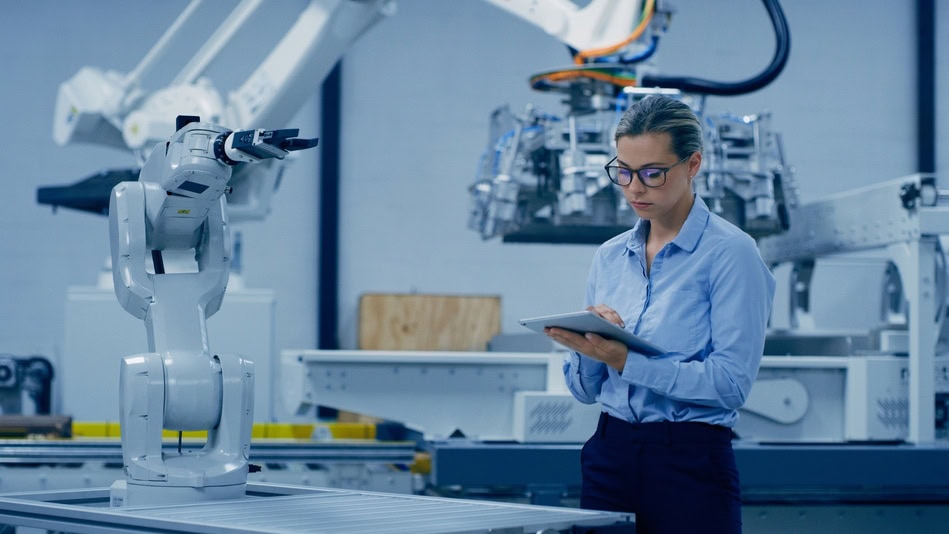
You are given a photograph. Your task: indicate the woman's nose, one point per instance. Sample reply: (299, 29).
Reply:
(635, 185)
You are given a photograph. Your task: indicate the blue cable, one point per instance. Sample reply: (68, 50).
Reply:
(644, 55)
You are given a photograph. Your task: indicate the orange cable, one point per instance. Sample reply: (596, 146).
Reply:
(574, 74)
(637, 33)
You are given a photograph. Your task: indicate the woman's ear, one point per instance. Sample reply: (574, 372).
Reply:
(695, 163)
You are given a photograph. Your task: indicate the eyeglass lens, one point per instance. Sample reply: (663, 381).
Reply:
(624, 176)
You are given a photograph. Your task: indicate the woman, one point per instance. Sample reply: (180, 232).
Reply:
(695, 285)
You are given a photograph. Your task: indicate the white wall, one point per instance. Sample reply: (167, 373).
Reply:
(418, 90)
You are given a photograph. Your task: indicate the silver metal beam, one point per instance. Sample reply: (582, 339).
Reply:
(34, 451)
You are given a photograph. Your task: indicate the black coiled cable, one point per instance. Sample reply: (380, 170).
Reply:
(688, 84)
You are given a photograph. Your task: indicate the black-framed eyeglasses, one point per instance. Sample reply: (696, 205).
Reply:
(649, 176)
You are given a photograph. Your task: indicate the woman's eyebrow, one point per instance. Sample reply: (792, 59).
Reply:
(646, 166)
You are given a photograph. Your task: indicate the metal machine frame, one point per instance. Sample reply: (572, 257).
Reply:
(913, 213)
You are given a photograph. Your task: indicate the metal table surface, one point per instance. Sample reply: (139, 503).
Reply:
(270, 508)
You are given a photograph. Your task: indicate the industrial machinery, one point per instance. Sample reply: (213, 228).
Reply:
(113, 109)
(178, 210)
(896, 263)
(25, 385)
(541, 177)
(493, 396)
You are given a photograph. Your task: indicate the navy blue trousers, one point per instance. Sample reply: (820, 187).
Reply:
(676, 477)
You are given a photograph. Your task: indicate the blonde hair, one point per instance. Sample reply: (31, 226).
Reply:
(661, 114)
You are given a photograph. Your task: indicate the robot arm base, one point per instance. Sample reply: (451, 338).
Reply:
(220, 466)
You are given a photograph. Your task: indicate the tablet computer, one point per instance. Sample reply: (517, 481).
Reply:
(586, 321)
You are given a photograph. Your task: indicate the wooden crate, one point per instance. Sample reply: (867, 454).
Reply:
(427, 322)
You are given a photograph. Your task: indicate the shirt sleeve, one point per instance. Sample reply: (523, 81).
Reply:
(584, 375)
(741, 292)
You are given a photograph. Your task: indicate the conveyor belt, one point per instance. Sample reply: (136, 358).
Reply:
(287, 509)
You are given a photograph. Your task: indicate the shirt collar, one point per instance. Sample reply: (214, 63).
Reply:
(689, 234)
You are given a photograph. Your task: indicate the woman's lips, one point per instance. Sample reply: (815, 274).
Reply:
(641, 205)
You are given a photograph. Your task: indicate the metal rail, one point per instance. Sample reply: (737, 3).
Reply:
(75, 451)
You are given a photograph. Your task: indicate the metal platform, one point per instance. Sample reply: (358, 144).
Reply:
(362, 465)
(269, 508)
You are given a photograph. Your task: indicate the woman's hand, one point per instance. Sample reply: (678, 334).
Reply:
(607, 313)
(608, 351)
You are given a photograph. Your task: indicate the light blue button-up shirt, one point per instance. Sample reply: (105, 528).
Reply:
(706, 302)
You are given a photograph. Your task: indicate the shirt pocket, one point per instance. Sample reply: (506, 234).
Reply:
(682, 321)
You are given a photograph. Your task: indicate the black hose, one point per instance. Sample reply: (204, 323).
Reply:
(696, 85)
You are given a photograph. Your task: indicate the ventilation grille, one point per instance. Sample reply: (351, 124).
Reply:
(551, 418)
(893, 412)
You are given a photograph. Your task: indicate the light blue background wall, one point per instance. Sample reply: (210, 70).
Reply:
(418, 90)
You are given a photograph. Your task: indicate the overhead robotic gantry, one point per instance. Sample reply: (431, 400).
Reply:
(178, 209)
(541, 177)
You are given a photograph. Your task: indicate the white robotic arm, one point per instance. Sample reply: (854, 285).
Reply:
(96, 106)
(600, 24)
(177, 209)
(111, 108)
